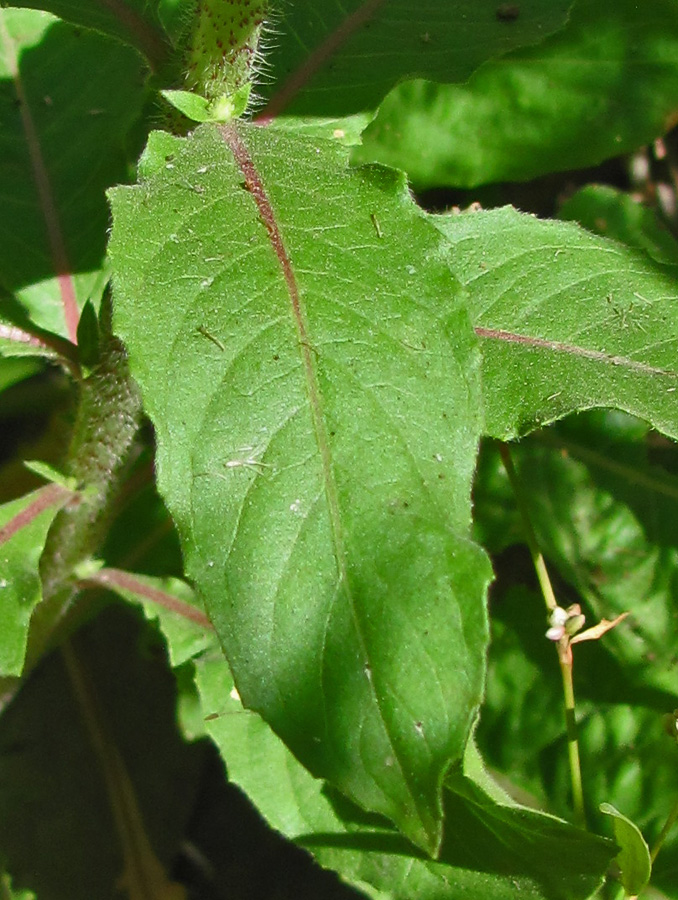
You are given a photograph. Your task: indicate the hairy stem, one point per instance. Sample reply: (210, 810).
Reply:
(106, 424)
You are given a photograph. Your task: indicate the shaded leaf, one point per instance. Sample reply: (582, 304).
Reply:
(602, 525)
(53, 231)
(323, 58)
(567, 320)
(12, 371)
(134, 22)
(24, 525)
(315, 399)
(602, 86)
(625, 755)
(52, 786)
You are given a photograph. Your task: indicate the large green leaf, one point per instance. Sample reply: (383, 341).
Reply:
(312, 379)
(567, 321)
(493, 849)
(24, 524)
(604, 85)
(69, 99)
(332, 59)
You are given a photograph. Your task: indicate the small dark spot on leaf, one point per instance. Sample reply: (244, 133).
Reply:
(508, 12)
(276, 357)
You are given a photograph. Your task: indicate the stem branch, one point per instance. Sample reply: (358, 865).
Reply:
(563, 645)
(668, 825)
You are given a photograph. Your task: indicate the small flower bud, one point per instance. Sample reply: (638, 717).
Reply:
(558, 616)
(555, 632)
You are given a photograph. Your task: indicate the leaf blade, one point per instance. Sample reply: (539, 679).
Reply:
(568, 320)
(25, 523)
(315, 429)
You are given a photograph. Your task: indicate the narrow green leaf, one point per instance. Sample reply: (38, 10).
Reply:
(323, 59)
(634, 857)
(24, 525)
(88, 336)
(53, 228)
(602, 86)
(193, 106)
(315, 398)
(49, 473)
(567, 321)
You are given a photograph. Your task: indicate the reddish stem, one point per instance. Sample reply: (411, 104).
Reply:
(117, 578)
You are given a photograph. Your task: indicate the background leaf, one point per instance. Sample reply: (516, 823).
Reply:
(315, 448)
(604, 85)
(616, 545)
(7, 893)
(134, 22)
(601, 493)
(51, 784)
(616, 214)
(58, 82)
(12, 371)
(323, 58)
(567, 321)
